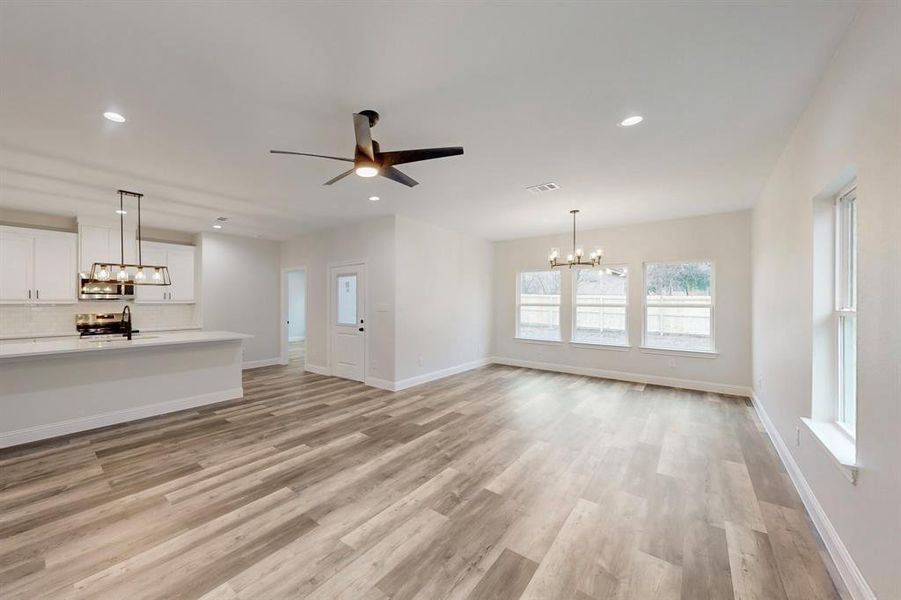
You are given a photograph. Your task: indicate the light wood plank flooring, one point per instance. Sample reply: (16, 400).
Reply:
(496, 483)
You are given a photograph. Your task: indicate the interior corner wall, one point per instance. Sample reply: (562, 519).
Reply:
(443, 320)
(239, 290)
(372, 241)
(723, 238)
(852, 125)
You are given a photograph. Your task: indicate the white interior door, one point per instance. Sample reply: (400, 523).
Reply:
(348, 316)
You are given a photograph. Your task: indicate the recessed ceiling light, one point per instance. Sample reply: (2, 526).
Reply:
(114, 117)
(374, 198)
(630, 121)
(217, 226)
(119, 211)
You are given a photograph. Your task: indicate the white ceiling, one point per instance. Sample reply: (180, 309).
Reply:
(533, 91)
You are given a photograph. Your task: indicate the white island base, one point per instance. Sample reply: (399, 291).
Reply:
(54, 388)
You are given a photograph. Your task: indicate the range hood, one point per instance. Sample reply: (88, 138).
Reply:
(123, 275)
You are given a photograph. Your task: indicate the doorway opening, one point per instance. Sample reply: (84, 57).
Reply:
(294, 330)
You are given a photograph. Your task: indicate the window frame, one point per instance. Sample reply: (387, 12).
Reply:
(519, 305)
(845, 304)
(574, 306)
(712, 352)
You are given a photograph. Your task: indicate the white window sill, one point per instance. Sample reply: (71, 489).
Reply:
(674, 352)
(838, 444)
(533, 341)
(589, 345)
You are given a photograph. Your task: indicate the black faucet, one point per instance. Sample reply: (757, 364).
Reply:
(126, 324)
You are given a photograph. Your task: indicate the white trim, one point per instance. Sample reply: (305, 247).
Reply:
(838, 445)
(675, 352)
(318, 369)
(844, 563)
(440, 374)
(590, 346)
(534, 341)
(296, 338)
(382, 384)
(265, 362)
(51, 430)
(689, 384)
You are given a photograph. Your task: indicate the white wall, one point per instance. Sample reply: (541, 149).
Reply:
(443, 299)
(372, 241)
(852, 124)
(297, 326)
(724, 239)
(240, 282)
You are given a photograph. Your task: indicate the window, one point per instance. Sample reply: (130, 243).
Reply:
(846, 309)
(538, 306)
(346, 299)
(679, 306)
(599, 313)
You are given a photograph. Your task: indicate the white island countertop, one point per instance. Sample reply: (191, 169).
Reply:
(18, 348)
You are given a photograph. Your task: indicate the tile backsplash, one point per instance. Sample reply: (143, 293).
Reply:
(24, 320)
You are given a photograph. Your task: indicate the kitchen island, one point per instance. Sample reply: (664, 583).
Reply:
(56, 387)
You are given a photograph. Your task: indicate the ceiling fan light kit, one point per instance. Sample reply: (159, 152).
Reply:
(577, 258)
(370, 161)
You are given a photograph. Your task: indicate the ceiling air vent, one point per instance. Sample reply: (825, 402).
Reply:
(222, 219)
(543, 187)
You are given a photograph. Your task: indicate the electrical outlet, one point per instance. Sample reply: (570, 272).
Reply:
(419, 360)
(759, 384)
(797, 436)
(671, 363)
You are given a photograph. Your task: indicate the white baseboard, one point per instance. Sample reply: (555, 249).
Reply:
(382, 384)
(439, 374)
(319, 370)
(844, 563)
(298, 338)
(51, 430)
(689, 384)
(266, 362)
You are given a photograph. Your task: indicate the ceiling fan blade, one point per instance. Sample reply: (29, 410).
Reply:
(307, 154)
(363, 135)
(399, 157)
(395, 175)
(339, 177)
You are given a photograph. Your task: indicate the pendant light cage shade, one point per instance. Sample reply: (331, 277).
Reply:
(121, 272)
(576, 258)
(130, 274)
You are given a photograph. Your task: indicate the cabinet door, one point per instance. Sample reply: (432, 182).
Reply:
(152, 254)
(55, 267)
(16, 266)
(94, 246)
(181, 270)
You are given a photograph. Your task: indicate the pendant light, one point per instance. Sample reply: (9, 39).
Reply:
(577, 257)
(129, 273)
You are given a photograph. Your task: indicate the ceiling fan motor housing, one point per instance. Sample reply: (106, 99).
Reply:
(371, 115)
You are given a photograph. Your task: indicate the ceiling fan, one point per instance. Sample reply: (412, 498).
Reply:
(370, 161)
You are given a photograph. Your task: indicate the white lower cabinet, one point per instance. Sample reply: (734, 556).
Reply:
(38, 266)
(179, 260)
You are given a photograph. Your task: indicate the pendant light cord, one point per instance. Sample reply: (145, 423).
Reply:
(121, 229)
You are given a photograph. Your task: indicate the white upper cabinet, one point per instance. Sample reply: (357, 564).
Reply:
(101, 244)
(16, 266)
(37, 266)
(180, 262)
(55, 275)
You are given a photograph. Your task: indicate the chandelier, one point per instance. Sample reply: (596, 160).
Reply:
(128, 273)
(577, 257)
